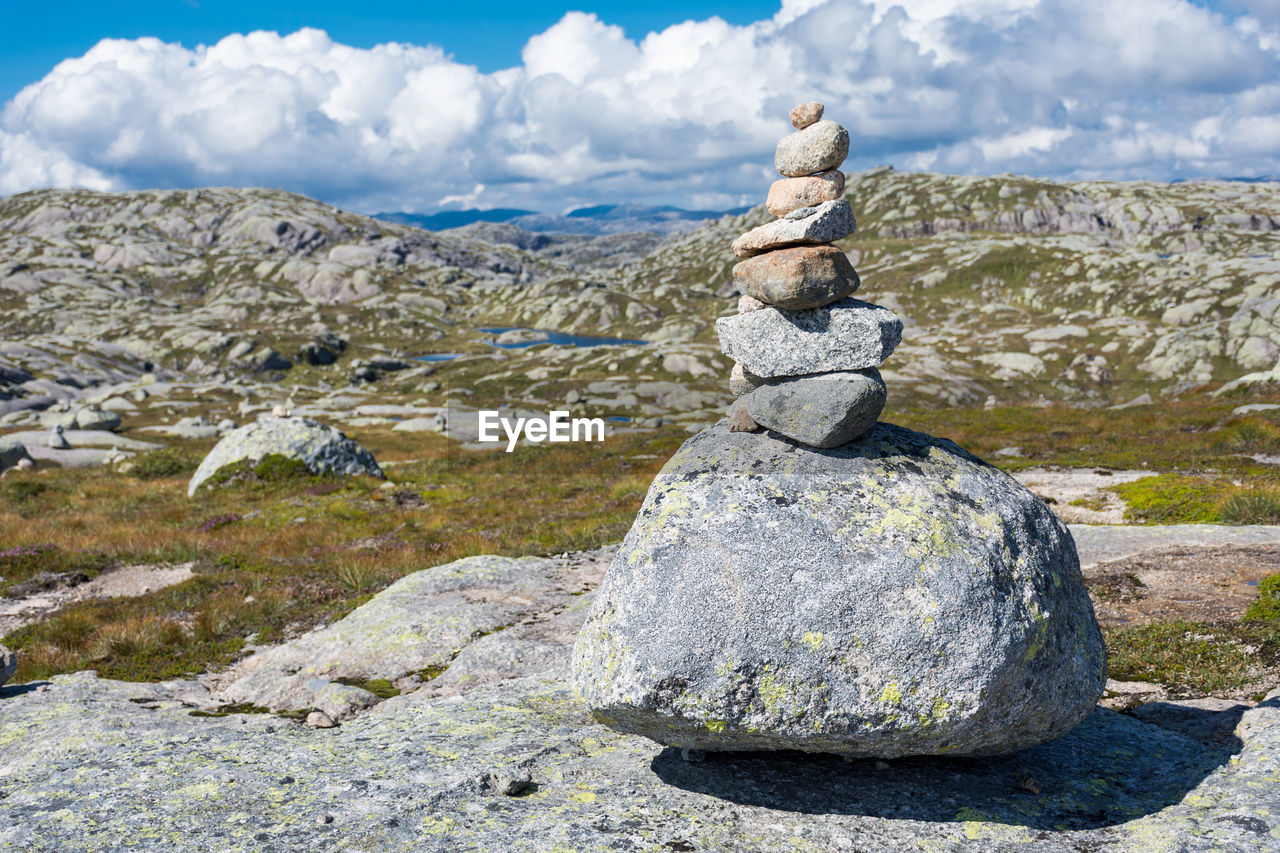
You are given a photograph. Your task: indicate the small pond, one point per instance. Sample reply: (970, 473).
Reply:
(560, 338)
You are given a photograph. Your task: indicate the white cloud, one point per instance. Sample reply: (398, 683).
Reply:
(1146, 89)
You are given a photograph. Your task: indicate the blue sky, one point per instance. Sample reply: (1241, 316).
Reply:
(485, 33)
(496, 103)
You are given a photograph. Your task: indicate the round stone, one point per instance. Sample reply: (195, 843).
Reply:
(805, 114)
(894, 596)
(797, 278)
(817, 148)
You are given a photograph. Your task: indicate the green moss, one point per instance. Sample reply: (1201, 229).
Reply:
(1268, 604)
(1171, 499)
(1093, 502)
(380, 687)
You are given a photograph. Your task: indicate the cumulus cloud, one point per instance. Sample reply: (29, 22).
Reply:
(1063, 88)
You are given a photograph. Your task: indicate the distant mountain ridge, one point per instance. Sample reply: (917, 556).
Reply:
(597, 220)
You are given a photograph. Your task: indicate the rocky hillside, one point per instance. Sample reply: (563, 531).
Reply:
(1010, 287)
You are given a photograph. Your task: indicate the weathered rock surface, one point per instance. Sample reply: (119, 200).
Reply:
(89, 764)
(421, 773)
(818, 147)
(95, 418)
(416, 625)
(11, 453)
(892, 597)
(825, 223)
(323, 449)
(845, 335)
(798, 278)
(791, 194)
(823, 410)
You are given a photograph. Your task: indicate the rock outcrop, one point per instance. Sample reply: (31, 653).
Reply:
(894, 596)
(321, 448)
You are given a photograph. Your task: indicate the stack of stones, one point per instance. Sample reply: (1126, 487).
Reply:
(806, 353)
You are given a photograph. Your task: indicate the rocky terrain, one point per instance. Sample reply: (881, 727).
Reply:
(485, 748)
(1009, 287)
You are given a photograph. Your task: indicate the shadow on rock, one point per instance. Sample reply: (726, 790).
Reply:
(13, 691)
(1110, 769)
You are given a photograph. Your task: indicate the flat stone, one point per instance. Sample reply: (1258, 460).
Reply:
(791, 194)
(821, 146)
(895, 596)
(845, 335)
(797, 278)
(830, 221)
(806, 114)
(824, 410)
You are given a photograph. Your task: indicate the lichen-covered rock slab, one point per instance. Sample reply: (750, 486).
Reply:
(895, 596)
(845, 335)
(321, 448)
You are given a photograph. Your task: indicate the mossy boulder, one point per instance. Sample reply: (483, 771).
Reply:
(285, 443)
(894, 596)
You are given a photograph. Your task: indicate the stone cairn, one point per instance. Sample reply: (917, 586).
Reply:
(806, 353)
(835, 584)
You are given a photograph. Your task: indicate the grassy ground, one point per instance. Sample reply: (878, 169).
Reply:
(276, 555)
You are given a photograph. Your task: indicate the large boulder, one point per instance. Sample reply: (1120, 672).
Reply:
(894, 596)
(12, 452)
(321, 448)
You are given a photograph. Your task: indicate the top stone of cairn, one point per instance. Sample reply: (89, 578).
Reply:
(806, 114)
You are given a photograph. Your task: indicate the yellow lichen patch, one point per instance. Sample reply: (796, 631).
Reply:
(716, 726)
(812, 639)
(583, 797)
(891, 695)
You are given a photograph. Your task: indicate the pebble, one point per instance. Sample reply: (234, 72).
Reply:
(806, 114)
(746, 304)
(320, 720)
(324, 818)
(740, 419)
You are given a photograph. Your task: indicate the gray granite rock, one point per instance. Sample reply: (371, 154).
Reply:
(818, 147)
(8, 664)
(93, 418)
(829, 221)
(11, 453)
(892, 597)
(845, 335)
(822, 410)
(323, 449)
(89, 764)
(797, 278)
